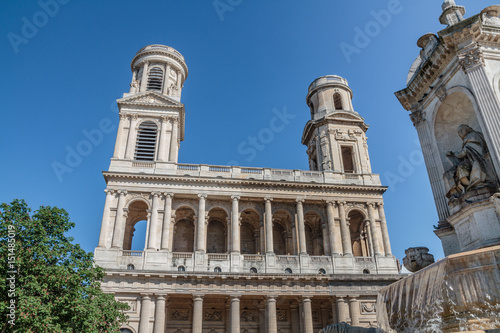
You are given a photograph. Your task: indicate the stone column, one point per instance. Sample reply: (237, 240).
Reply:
(235, 315)
(269, 226)
(144, 79)
(369, 234)
(344, 230)
(174, 141)
(167, 215)
(426, 142)
(374, 231)
(120, 137)
(342, 310)
(132, 136)
(385, 232)
(160, 314)
(354, 311)
(301, 227)
(201, 244)
(145, 314)
(235, 225)
(472, 61)
(326, 239)
(294, 312)
(334, 312)
(164, 145)
(333, 237)
(262, 249)
(197, 314)
(272, 320)
(308, 321)
(166, 79)
(153, 226)
(119, 221)
(106, 228)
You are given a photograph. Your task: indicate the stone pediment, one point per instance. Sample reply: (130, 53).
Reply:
(149, 98)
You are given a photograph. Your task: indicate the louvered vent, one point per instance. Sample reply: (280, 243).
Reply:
(146, 142)
(155, 79)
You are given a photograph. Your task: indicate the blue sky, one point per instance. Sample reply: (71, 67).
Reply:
(64, 70)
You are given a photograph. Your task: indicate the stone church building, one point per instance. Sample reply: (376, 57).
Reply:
(241, 249)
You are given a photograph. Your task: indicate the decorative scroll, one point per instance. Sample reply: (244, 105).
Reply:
(368, 308)
(248, 316)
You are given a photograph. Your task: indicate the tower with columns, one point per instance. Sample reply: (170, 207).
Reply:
(453, 94)
(241, 249)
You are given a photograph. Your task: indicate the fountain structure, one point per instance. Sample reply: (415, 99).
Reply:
(453, 94)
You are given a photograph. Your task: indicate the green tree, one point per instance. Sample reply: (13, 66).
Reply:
(53, 284)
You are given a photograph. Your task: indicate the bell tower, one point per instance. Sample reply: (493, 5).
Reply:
(335, 136)
(151, 115)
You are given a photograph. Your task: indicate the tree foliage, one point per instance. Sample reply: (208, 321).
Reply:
(53, 283)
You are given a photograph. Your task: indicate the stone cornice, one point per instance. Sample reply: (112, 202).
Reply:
(338, 117)
(246, 182)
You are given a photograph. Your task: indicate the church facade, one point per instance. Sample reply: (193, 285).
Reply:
(241, 249)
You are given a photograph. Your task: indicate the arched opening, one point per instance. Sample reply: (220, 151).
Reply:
(217, 235)
(250, 232)
(183, 234)
(155, 79)
(314, 234)
(347, 159)
(282, 233)
(136, 226)
(125, 330)
(337, 101)
(359, 234)
(145, 147)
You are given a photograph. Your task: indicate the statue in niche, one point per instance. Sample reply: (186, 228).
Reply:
(468, 165)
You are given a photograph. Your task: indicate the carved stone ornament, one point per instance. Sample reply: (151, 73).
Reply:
(213, 315)
(417, 258)
(472, 58)
(495, 199)
(281, 315)
(368, 308)
(180, 315)
(248, 316)
(417, 117)
(441, 93)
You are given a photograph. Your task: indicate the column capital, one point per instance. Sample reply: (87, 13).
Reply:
(168, 194)
(234, 297)
(306, 298)
(471, 58)
(271, 298)
(122, 192)
(124, 116)
(353, 298)
(109, 192)
(235, 197)
(165, 119)
(371, 204)
(300, 200)
(145, 296)
(341, 203)
(161, 297)
(417, 117)
(330, 202)
(268, 199)
(380, 204)
(202, 196)
(198, 297)
(155, 194)
(134, 116)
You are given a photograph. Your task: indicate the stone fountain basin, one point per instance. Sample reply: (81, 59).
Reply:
(456, 294)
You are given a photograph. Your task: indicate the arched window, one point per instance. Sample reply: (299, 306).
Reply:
(337, 101)
(130, 267)
(145, 147)
(125, 330)
(155, 79)
(217, 269)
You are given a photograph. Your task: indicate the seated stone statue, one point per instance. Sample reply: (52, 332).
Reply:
(469, 165)
(346, 328)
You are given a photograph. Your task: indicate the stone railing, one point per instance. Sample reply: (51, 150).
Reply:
(182, 255)
(253, 257)
(127, 253)
(217, 256)
(236, 172)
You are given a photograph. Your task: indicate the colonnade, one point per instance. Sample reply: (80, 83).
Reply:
(344, 309)
(159, 230)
